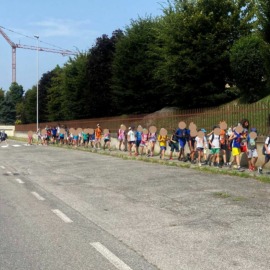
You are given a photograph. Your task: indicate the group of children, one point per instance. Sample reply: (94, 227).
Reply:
(221, 147)
(63, 135)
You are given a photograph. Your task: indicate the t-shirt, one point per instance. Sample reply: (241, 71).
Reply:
(85, 136)
(98, 133)
(107, 136)
(222, 136)
(237, 140)
(144, 138)
(215, 140)
(251, 143)
(152, 137)
(138, 136)
(181, 134)
(131, 136)
(200, 142)
(267, 142)
(162, 140)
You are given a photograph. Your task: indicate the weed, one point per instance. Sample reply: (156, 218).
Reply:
(222, 195)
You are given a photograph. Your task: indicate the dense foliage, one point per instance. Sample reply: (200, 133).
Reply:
(183, 58)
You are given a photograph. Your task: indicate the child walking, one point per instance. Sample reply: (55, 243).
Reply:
(236, 146)
(252, 149)
(174, 144)
(162, 139)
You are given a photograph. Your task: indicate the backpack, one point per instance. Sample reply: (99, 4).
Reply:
(264, 149)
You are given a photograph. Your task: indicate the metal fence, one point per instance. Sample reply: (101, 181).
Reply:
(257, 114)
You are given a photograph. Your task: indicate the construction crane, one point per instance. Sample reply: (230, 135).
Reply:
(14, 46)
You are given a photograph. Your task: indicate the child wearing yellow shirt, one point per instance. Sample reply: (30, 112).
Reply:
(163, 144)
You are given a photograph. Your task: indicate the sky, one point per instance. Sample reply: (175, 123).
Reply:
(60, 24)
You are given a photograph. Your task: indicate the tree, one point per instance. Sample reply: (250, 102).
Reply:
(98, 94)
(73, 88)
(55, 96)
(7, 111)
(263, 14)
(134, 87)
(2, 95)
(194, 42)
(29, 113)
(247, 62)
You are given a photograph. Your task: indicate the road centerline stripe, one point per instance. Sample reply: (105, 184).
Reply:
(2, 167)
(113, 259)
(62, 215)
(40, 198)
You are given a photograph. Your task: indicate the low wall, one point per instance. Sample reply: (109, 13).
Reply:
(244, 162)
(10, 130)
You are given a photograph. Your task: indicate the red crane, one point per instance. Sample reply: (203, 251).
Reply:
(14, 46)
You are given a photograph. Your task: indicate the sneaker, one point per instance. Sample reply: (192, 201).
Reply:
(229, 164)
(210, 164)
(260, 170)
(200, 164)
(239, 169)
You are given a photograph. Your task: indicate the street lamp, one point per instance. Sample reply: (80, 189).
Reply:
(37, 37)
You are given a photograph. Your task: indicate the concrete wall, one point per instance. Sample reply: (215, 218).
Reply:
(10, 130)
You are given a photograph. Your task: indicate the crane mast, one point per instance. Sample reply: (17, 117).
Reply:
(14, 46)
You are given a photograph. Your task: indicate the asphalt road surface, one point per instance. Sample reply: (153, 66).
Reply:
(67, 209)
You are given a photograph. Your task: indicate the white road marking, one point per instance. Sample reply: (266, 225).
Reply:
(4, 146)
(16, 145)
(19, 181)
(110, 256)
(2, 167)
(10, 173)
(62, 216)
(40, 198)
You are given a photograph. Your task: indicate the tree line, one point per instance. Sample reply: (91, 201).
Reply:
(184, 58)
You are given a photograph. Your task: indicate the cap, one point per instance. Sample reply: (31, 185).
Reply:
(129, 128)
(253, 129)
(203, 130)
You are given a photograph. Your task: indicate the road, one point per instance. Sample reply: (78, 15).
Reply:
(67, 209)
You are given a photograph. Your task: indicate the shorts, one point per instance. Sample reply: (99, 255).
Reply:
(236, 151)
(192, 143)
(143, 144)
(175, 147)
(252, 153)
(200, 149)
(182, 144)
(138, 143)
(106, 140)
(223, 146)
(163, 148)
(267, 158)
(215, 151)
(131, 142)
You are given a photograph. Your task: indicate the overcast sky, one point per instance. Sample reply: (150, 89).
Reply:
(67, 24)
